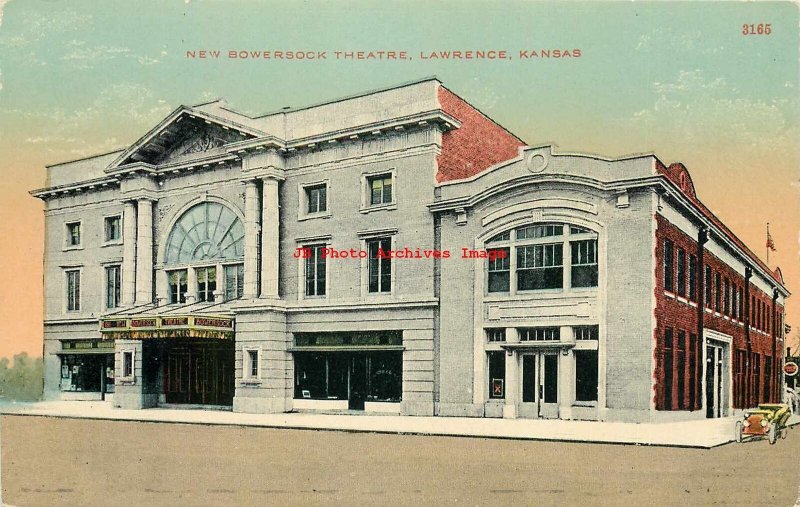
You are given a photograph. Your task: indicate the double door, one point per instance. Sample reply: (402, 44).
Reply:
(200, 372)
(714, 381)
(540, 383)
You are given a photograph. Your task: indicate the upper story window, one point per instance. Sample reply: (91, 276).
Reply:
(113, 286)
(539, 334)
(73, 290)
(316, 270)
(73, 234)
(379, 275)
(680, 280)
(707, 287)
(586, 332)
(669, 265)
(206, 283)
(206, 231)
(380, 189)
(533, 258)
(316, 198)
(234, 281)
(113, 229)
(177, 286)
(692, 278)
(717, 292)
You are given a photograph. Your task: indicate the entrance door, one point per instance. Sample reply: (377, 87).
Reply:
(714, 369)
(540, 383)
(199, 372)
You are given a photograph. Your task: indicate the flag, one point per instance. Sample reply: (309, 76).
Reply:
(770, 243)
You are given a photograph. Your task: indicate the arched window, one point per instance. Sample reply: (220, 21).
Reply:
(206, 235)
(542, 256)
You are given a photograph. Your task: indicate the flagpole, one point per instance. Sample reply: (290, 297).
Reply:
(767, 243)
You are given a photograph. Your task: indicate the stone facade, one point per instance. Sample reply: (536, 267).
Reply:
(213, 206)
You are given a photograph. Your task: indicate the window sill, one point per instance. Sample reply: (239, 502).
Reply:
(250, 383)
(378, 207)
(312, 216)
(112, 243)
(76, 247)
(586, 404)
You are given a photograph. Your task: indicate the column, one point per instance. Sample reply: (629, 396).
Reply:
(144, 249)
(191, 286)
(512, 384)
(129, 254)
(566, 374)
(269, 239)
(251, 230)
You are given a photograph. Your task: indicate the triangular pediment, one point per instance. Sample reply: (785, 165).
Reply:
(185, 134)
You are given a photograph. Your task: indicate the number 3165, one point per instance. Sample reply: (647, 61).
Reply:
(759, 29)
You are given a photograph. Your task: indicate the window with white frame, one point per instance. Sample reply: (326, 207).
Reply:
(73, 234)
(177, 286)
(206, 283)
(252, 363)
(586, 333)
(316, 198)
(113, 286)
(73, 290)
(234, 281)
(539, 334)
(379, 265)
(538, 252)
(379, 189)
(315, 270)
(112, 229)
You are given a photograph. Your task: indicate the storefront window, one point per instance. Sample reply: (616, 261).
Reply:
(586, 375)
(372, 375)
(87, 372)
(497, 374)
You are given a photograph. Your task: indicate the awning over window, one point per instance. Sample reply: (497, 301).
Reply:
(173, 326)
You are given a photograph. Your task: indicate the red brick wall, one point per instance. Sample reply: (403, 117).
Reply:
(679, 314)
(477, 145)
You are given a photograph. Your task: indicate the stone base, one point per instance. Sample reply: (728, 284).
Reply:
(253, 405)
(420, 408)
(459, 409)
(135, 401)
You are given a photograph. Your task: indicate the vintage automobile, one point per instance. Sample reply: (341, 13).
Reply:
(769, 420)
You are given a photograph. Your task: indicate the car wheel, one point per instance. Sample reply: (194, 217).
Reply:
(739, 432)
(773, 434)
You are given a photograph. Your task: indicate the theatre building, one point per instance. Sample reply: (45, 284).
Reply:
(397, 252)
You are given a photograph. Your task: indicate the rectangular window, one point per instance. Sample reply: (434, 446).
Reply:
(693, 373)
(707, 287)
(113, 289)
(380, 189)
(586, 332)
(767, 378)
(113, 229)
(669, 266)
(74, 234)
(497, 374)
(757, 376)
(529, 378)
(740, 314)
(550, 378)
(499, 270)
(380, 265)
(717, 292)
(540, 266)
(727, 295)
(496, 335)
(586, 375)
(317, 198)
(692, 278)
(539, 334)
(666, 369)
(234, 281)
(584, 263)
(177, 286)
(315, 271)
(127, 364)
(206, 284)
(680, 281)
(251, 368)
(73, 290)
(540, 231)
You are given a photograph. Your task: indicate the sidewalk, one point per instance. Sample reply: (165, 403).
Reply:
(704, 434)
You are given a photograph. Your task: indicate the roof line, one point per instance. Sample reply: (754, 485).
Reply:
(88, 157)
(348, 97)
(470, 104)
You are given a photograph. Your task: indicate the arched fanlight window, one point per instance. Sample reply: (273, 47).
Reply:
(205, 231)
